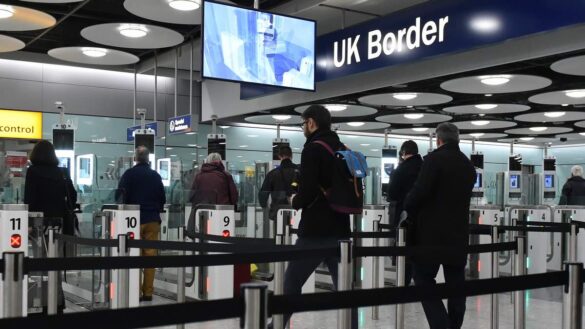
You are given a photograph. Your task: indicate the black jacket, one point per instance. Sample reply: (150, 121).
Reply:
(401, 182)
(279, 184)
(143, 186)
(573, 192)
(317, 218)
(49, 189)
(440, 199)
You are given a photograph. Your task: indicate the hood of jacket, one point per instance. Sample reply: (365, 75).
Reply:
(213, 166)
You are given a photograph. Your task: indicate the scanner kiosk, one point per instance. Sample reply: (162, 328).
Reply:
(145, 137)
(548, 187)
(14, 239)
(85, 169)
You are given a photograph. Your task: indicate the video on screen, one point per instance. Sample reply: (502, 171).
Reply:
(251, 46)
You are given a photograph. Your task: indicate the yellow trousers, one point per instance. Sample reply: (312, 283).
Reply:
(148, 231)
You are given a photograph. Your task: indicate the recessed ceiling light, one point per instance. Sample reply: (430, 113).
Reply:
(6, 11)
(375, 150)
(185, 5)
(420, 129)
(239, 156)
(485, 24)
(192, 145)
(575, 93)
(336, 107)
(526, 139)
(252, 136)
(480, 122)
(554, 114)
(173, 155)
(94, 52)
(364, 144)
(224, 127)
(495, 80)
(405, 96)
(133, 30)
(356, 124)
(130, 151)
(582, 134)
(538, 129)
(414, 116)
(169, 148)
(488, 95)
(486, 106)
(243, 146)
(281, 117)
(564, 104)
(476, 135)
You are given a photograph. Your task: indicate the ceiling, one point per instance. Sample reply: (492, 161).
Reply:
(535, 87)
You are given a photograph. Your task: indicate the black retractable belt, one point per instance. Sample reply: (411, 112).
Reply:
(87, 242)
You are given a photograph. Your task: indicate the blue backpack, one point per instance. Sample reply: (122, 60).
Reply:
(346, 194)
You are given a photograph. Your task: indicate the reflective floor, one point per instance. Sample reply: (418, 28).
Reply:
(543, 311)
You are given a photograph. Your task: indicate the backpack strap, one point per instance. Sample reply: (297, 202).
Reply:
(326, 146)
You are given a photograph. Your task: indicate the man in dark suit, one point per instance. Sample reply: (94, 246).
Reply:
(401, 182)
(440, 198)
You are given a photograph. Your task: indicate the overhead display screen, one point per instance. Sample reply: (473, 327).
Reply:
(246, 45)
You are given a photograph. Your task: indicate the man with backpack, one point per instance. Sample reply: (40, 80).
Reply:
(280, 183)
(320, 225)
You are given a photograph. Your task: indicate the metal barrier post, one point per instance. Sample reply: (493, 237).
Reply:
(181, 277)
(400, 276)
(278, 319)
(123, 274)
(495, 316)
(344, 281)
(255, 306)
(573, 238)
(376, 271)
(287, 235)
(573, 297)
(53, 283)
(12, 280)
(519, 270)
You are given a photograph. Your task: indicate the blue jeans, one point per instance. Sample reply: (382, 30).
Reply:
(299, 271)
(437, 316)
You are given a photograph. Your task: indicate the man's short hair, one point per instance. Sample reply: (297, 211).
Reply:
(320, 114)
(213, 157)
(577, 171)
(409, 147)
(448, 133)
(285, 151)
(141, 154)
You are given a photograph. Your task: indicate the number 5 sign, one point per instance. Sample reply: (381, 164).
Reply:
(13, 227)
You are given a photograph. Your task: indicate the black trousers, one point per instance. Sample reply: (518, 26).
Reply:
(298, 271)
(437, 316)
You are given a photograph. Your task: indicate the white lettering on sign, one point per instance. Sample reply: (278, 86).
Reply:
(346, 51)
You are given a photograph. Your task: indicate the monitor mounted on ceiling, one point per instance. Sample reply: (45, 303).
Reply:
(251, 46)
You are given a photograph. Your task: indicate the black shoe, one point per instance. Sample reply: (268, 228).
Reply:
(146, 298)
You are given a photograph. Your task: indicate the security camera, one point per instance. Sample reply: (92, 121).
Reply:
(59, 105)
(141, 112)
(563, 139)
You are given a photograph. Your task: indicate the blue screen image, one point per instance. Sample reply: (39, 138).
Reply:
(514, 181)
(251, 46)
(549, 181)
(477, 181)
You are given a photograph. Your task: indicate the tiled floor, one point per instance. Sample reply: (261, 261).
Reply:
(543, 312)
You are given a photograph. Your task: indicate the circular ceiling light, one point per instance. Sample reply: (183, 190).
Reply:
(476, 135)
(480, 122)
(414, 116)
(582, 134)
(281, 117)
(495, 80)
(486, 106)
(538, 129)
(564, 105)
(526, 139)
(6, 11)
(575, 93)
(405, 96)
(133, 30)
(224, 127)
(94, 52)
(185, 5)
(356, 124)
(336, 107)
(420, 129)
(554, 114)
